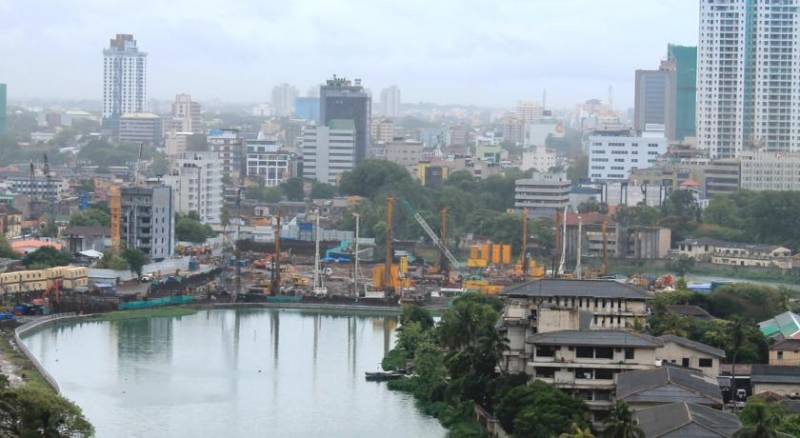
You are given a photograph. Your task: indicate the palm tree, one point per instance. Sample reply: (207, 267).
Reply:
(762, 423)
(620, 423)
(577, 432)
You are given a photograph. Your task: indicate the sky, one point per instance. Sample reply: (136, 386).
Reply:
(482, 52)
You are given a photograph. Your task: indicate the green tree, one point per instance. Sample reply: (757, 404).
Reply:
(413, 313)
(189, 229)
(681, 265)
(159, 165)
(46, 257)
(760, 421)
(579, 169)
(293, 189)
(539, 409)
(91, 217)
(269, 195)
(5, 249)
(112, 261)
(135, 259)
(322, 190)
(620, 423)
(577, 432)
(372, 177)
(28, 411)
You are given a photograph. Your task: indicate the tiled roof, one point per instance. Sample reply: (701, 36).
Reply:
(693, 345)
(671, 421)
(637, 382)
(602, 338)
(576, 288)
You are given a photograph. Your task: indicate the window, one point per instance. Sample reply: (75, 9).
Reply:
(706, 363)
(685, 362)
(780, 355)
(584, 352)
(545, 351)
(604, 353)
(546, 373)
(584, 373)
(601, 374)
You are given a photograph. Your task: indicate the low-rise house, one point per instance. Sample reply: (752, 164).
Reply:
(785, 353)
(682, 420)
(690, 354)
(734, 253)
(668, 384)
(782, 380)
(783, 326)
(548, 305)
(83, 238)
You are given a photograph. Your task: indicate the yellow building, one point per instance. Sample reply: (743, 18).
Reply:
(785, 353)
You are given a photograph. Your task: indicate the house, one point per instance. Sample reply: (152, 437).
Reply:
(782, 380)
(586, 363)
(691, 354)
(783, 326)
(682, 420)
(785, 353)
(689, 311)
(82, 238)
(734, 253)
(667, 384)
(548, 305)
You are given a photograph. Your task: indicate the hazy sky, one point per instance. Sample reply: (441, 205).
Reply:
(445, 51)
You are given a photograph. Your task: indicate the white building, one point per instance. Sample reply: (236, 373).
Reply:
(228, 145)
(124, 78)
(176, 143)
(196, 181)
(537, 131)
(186, 115)
(137, 128)
(267, 161)
(612, 157)
(748, 79)
(283, 97)
(381, 129)
(539, 158)
(329, 151)
(528, 111)
(543, 194)
(390, 101)
(770, 171)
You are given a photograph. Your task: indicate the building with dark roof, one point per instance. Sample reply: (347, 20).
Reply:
(782, 380)
(691, 354)
(667, 384)
(686, 420)
(785, 352)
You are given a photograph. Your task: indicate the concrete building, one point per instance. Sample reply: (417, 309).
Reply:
(3, 109)
(186, 115)
(785, 353)
(404, 152)
(684, 420)
(781, 380)
(528, 111)
(147, 220)
(690, 354)
(762, 170)
(635, 242)
(537, 131)
(381, 130)
(735, 253)
(539, 158)
(329, 151)
(543, 194)
(283, 98)
(714, 177)
(230, 147)
(431, 175)
(748, 80)
(124, 78)
(176, 143)
(684, 78)
(654, 98)
(613, 157)
(513, 130)
(196, 182)
(267, 161)
(137, 128)
(39, 187)
(390, 101)
(341, 99)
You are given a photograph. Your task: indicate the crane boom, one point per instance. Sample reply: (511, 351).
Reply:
(429, 231)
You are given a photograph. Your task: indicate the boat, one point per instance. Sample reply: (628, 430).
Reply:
(381, 376)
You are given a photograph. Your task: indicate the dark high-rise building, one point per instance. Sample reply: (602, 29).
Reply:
(341, 99)
(685, 61)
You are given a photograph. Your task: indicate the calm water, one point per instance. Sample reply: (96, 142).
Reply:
(232, 373)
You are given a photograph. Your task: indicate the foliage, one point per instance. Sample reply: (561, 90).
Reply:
(370, 177)
(30, 411)
(91, 217)
(102, 153)
(578, 432)
(159, 165)
(681, 265)
(112, 261)
(413, 313)
(322, 190)
(579, 169)
(293, 189)
(760, 420)
(763, 217)
(620, 423)
(46, 257)
(261, 193)
(135, 259)
(5, 249)
(188, 228)
(539, 409)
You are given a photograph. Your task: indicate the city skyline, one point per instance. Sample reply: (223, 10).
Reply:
(493, 56)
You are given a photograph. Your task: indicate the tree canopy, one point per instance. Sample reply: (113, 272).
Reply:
(188, 228)
(46, 257)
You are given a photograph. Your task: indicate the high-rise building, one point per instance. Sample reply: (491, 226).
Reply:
(196, 182)
(147, 220)
(267, 161)
(124, 78)
(652, 104)
(283, 97)
(3, 110)
(137, 128)
(230, 147)
(684, 80)
(390, 101)
(329, 151)
(543, 194)
(186, 115)
(613, 157)
(748, 76)
(381, 130)
(529, 111)
(346, 100)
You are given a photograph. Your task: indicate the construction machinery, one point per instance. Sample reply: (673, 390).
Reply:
(453, 262)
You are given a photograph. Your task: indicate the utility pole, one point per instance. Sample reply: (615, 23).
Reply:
(276, 261)
(387, 273)
(355, 264)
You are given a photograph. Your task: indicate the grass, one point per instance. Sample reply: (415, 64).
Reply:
(25, 369)
(156, 312)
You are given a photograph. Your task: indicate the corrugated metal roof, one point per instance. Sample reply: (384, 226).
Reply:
(693, 345)
(673, 419)
(636, 382)
(600, 338)
(576, 288)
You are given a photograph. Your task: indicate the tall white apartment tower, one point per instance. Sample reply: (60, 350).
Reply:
(283, 97)
(748, 76)
(124, 78)
(390, 101)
